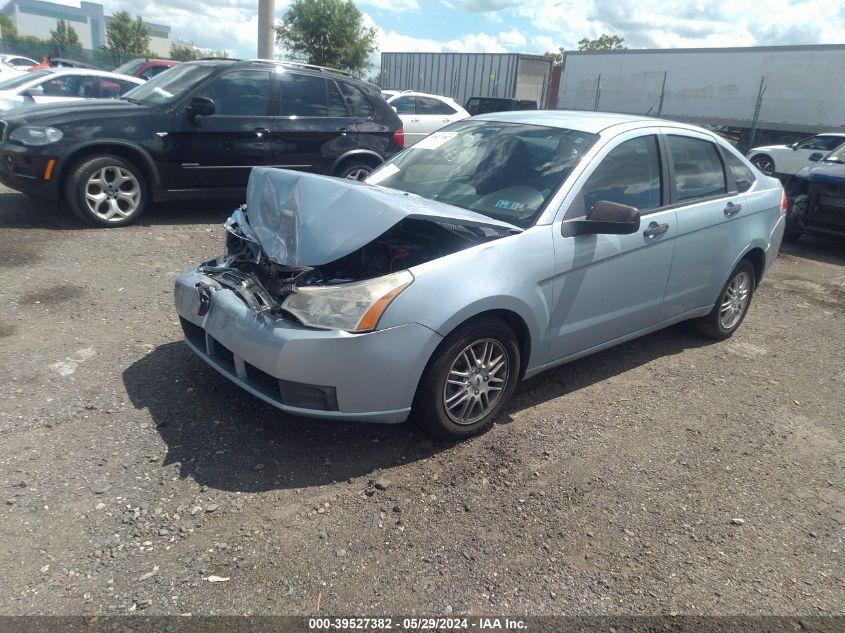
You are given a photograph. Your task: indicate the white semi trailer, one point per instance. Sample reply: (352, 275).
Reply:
(759, 94)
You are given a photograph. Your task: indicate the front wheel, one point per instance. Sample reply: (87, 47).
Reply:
(106, 191)
(354, 171)
(764, 163)
(469, 380)
(732, 304)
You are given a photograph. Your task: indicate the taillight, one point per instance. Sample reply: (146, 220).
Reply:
(784, 203)
(399, 137)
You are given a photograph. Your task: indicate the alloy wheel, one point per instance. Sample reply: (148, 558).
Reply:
(358, 174)
(475, 381)
(735, 300)
(112, 193)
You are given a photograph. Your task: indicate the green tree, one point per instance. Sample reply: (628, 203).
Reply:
(558, 57)
(328, 33)
(186, 52)
(603, 42)
(9, 30)
(65, 36)
(127, 38)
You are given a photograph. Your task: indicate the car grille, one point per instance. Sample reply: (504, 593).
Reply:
(277, 391)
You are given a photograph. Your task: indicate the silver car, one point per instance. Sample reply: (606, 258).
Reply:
(490, 251)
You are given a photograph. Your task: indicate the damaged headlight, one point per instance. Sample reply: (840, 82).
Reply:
(354, 307)
(35, 135)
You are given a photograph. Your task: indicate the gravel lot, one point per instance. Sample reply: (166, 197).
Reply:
(668, 475)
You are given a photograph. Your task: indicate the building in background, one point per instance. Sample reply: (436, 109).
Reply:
(38, 18)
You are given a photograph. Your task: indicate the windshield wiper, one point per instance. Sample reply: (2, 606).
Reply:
(130, 100)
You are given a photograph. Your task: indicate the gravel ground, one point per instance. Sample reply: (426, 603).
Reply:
(667, 475)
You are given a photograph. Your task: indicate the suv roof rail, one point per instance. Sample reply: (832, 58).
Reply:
(284, 62)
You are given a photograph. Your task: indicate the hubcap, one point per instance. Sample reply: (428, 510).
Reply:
(475, 381)
(358, 174)
(112, 193)
(735, 300)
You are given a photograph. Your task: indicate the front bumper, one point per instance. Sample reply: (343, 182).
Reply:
(370, 377)
(23, 169)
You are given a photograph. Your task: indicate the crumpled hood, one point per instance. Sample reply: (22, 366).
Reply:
(824, 172)
(302, 219)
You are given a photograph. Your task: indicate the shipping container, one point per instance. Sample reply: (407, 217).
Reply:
(770, 90)
(465, 75)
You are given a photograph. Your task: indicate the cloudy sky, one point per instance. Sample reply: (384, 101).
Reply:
(531, 26)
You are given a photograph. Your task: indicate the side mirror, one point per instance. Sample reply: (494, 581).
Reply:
(815, 157)
(200, 106)
(795, 145)
(609, 218)
(35, 91)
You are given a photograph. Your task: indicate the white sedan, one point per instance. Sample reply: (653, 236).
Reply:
(424, 113)
(57, 85)
(18, 62)
(786, 160)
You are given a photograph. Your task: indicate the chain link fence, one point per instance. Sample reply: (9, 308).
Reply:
(105, 60)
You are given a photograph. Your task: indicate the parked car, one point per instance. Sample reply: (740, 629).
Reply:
(785, 160)
(817, 198)
(490, 251)
(196, 130)
(387, 94)
(424, 113)
(18, 62)
(65, 62)
(63, 85)
(145, 68)
(482, 105)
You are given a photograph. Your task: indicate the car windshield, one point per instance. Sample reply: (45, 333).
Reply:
(130, 68)
(506, 171)
(836, 156)
(168, 87)
(20, 80)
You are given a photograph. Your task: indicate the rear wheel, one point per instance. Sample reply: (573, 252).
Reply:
(469, 380)
(354, 170)
(106, 191)
(764, 163)
(732, 304)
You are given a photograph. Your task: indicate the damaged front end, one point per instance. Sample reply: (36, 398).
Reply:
(332, 253)
(817, 201)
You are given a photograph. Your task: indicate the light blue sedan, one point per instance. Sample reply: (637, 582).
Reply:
(499, 247)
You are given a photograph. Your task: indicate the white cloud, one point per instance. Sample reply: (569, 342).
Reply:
(512, 39)
(392, 5)
(476, 43)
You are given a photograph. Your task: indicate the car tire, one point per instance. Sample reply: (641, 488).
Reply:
(732, 304)
(106, 191)
(453, 411)
(354, 170)
(764, 163)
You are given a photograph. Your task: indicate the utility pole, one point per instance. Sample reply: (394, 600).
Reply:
(266, 28)
(598, 93)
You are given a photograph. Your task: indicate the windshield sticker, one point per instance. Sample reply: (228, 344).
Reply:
(510, 205)
(433, 141)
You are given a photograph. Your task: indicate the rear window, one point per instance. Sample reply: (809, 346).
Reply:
(742, 176)
(427, 105)
(698, 168)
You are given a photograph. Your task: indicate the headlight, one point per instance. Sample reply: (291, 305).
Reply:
(354, 307)
(37, 136)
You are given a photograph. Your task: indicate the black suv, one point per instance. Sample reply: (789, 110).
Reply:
(196, 130)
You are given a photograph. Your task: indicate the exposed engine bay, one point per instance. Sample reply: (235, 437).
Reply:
(263, 284)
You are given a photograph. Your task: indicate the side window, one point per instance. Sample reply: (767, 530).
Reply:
(698, 169)
(337, 107)
(832, 142)
(358, 104)
(742, 175)
(66, 86)
(630, 174)
(152, 71)
(405, 105)
(426, 105)
(240, 93)
(303, 95)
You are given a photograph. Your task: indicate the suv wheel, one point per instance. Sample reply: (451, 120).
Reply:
(106, 191)
(732, 304)
(354, 171)
(469, 380)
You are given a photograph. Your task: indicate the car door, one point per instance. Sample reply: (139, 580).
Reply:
(610, 286)
(406, 108)
(314, 126)
(433, 114)
(228, 143)
(795, 159)
(712, 226)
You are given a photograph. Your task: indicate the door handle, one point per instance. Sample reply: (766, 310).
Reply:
(732, 209)
(343, 131)
(261, 132)
(655, 229)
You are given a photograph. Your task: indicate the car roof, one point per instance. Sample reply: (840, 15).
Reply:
(93, 71)
(592, 122)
